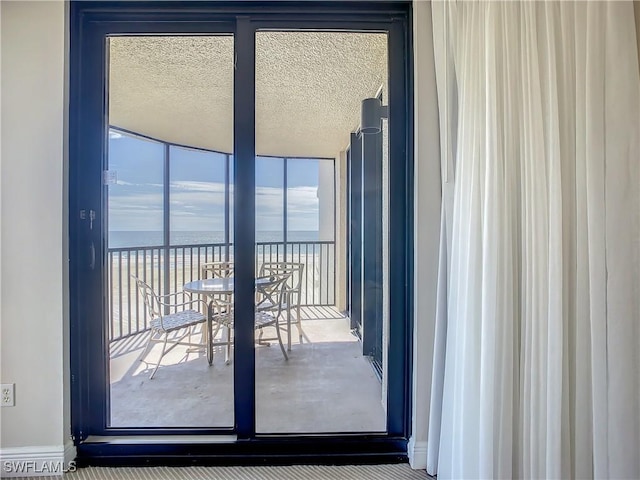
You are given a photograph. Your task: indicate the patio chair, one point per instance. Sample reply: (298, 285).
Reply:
(216, 270)
(168, 315)
(221, 311)
(270, 293)
(293, 289)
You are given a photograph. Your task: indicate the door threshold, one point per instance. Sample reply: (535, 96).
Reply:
(174, 450)
(159, 439)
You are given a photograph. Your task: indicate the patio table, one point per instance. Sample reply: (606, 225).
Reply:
(214, 286)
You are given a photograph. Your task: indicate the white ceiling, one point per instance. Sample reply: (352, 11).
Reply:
(309, 86)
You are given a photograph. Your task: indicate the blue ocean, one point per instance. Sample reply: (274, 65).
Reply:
(124, 239)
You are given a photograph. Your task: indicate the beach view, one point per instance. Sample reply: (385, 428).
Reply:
(294, 221)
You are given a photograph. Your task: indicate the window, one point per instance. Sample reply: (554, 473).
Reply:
(294, 195)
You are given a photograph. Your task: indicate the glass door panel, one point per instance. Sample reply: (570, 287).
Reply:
(313, 371)
(168, 198)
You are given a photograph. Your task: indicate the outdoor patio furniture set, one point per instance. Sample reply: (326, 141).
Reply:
(173, 317)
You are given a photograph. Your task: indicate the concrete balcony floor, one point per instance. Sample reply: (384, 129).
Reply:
(327, 385)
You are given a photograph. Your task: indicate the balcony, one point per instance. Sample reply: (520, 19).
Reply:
(170, 204)
(298, 396)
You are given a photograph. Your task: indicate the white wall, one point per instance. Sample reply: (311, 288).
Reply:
(327, 228)
(341, 230)
(326, 183)
(427, 225)
(636, 8)
(33, 281)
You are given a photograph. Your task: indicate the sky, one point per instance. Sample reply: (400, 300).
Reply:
(197, 189)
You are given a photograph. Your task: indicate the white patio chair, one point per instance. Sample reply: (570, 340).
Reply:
(167, 316)
(221, 311)
(293, 292)
(216, 270)
(270, 293)
(222, 303)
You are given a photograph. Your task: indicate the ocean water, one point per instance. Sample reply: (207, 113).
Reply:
(124, 239)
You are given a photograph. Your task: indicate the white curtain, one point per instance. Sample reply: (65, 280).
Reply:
(537, 355)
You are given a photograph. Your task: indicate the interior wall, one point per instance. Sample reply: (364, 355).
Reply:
(427, 202)
(636, 5)
(32, 284)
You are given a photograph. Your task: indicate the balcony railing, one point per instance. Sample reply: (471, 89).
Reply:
(167, 269)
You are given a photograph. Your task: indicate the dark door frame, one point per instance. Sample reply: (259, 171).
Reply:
(90, 23)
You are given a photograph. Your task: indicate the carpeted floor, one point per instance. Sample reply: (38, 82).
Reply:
(296, 472)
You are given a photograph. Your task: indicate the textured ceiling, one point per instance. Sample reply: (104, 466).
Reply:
(308, 89)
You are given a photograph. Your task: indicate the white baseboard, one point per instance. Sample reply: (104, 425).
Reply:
(70, 452)
(417, 453)
(36, 461)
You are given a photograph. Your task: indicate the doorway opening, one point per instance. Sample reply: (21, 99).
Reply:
(229, 226)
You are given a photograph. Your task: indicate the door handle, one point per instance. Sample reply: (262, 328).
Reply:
(92, 256)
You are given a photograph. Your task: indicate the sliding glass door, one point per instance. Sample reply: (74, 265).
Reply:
(220, 170)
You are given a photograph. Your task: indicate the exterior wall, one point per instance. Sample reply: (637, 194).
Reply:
(341, 230)
(327, 227)
(33, 277)
(325, 197)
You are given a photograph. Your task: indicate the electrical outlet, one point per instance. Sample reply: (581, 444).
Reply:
(8, 398)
